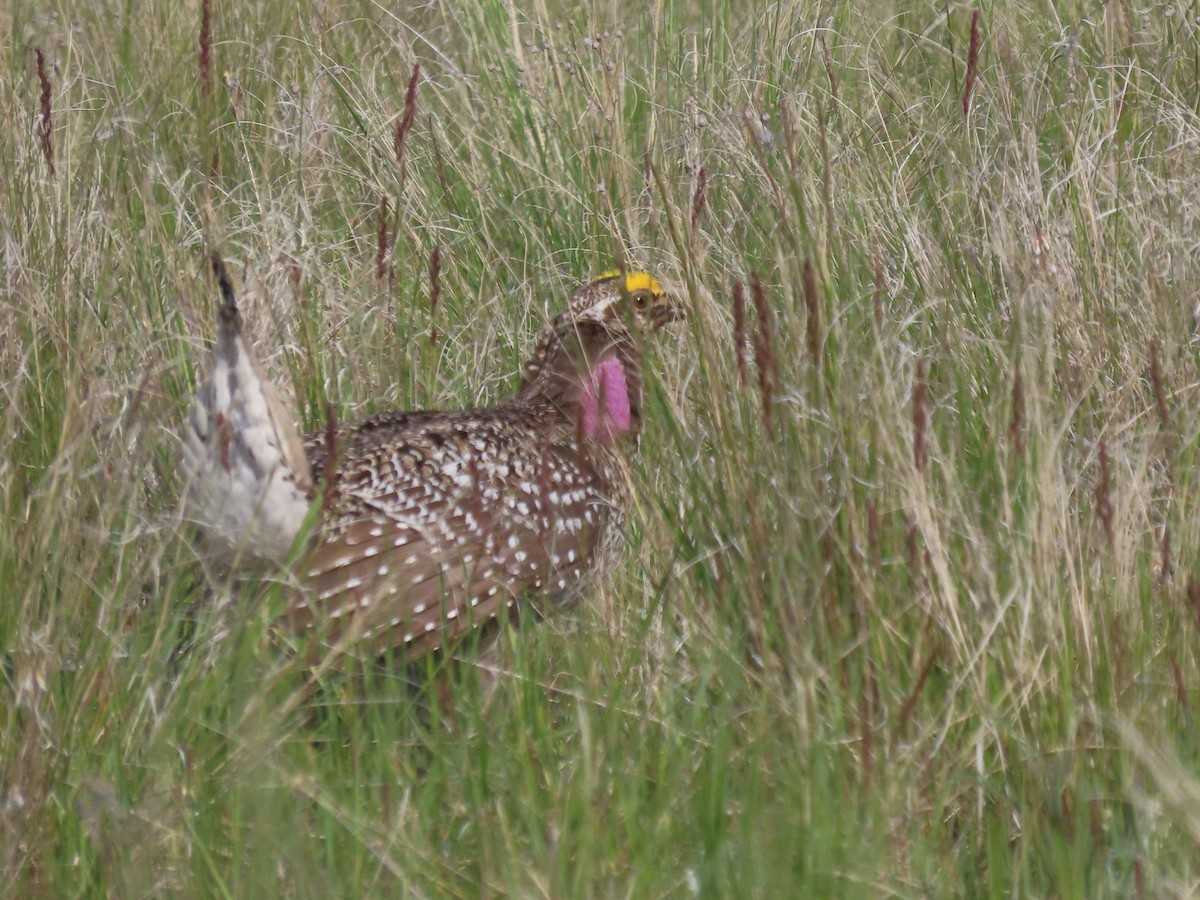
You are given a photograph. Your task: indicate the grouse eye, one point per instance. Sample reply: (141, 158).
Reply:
(641, 299)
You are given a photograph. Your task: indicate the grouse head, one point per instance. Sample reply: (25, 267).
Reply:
(588, 360)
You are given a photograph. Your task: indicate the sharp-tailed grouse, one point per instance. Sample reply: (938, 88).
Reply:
(430, 523)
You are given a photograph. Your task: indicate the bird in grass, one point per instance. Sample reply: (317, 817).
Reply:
(428, 525)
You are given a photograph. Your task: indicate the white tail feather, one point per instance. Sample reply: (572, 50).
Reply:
(248, 481)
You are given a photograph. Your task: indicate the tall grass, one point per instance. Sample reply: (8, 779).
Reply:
(909, 605)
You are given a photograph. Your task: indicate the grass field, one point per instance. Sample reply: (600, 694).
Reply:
(910, 605)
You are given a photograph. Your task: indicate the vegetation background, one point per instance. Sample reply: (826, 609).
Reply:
(908, 607)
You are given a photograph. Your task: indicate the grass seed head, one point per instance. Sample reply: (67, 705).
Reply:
(764, 353)
(1156, 381)
(435, 290)
(382, 242)
(206, 64)
(45, 128)
(739, 330)
(404, 125)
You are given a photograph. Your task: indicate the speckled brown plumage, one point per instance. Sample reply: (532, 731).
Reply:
(435, 523)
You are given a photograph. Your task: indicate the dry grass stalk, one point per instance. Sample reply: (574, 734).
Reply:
(1104, 504)
(972, 63)
(827, 58)
(873, 535)
(1181, 693)
(920, 415)
(877, 295)
(910, 702)
(1016, 424)
(435, 290)
(812, 324)
(329, 489)
(699, 197)
(1166, 569)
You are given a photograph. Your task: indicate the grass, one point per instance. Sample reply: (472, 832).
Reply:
(909, 606)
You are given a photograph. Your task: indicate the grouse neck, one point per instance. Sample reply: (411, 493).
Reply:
(593, 378)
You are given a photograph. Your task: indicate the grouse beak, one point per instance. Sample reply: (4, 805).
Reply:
(667, 309)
